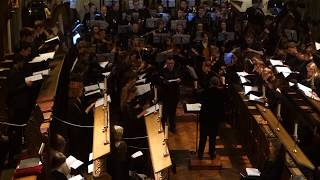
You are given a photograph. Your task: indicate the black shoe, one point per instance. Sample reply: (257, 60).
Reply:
(200, 156)
(173, 130)
(212, 156)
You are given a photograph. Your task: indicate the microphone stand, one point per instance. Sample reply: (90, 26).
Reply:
(295, 137)
(106, 111)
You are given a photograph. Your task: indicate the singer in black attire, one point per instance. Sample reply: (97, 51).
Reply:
(170, 77)
(211, 113)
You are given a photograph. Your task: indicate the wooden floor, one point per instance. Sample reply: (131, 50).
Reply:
(231, 154)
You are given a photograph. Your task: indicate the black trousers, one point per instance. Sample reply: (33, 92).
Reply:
(169, 113)
(206, 131)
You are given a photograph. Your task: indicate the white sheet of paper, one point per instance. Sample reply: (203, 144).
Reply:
(141, 81)
(52, 39)
(193, 107)
(317, 45)
(43, 57)
(103, 64)
(101, 85)
(72, 162)
(90, 168)
(286, 74)
(304, 88)
(253, 172)
(33, 78)
(106, 73)
(276, 62)
(242, 74)
(291, 84)
(283, 70)
(4, 69)
(91, 88)
(136, 154)
(151, 109)
(248, 89)
(255, 98)
(92, 92)
(30, 162)
(142, 76)
(99, 102)
(43, 72)
(77, 177)
(173, 80)
(144, 88)
(244, 80)
(90, 156)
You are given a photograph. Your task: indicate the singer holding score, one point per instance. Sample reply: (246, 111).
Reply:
(170, 77)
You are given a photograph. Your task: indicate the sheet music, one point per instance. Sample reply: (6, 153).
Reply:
(101, 85)
(4, 69)
(43, 72)
(173, 80)
(100, 101)
(77, 177)
(253, 172)
(90, 156)
(90, 168)
(276, 62)
(141, 81)
(291, 84)
(242, 74)
(72, 162)
(286, 74)
(33, 78)
(103, 64)
(193, 107)
(255, 98)
(43, 57)
(52, 39)
(304, 88)
(317, 45)
(151, 109)
(92, 92)
(136, 154)
(91, 88)
(244, 80)
(142, 76)
(142, 89)
(30, 162)
(283, 70)
(106, 73)
(248, 89)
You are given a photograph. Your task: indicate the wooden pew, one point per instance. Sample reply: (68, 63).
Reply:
(266, 132)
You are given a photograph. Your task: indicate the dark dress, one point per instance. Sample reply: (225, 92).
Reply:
(170, 95)
(79, 139)
(211, 113)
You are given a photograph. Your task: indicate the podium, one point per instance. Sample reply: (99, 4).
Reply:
(158, 149)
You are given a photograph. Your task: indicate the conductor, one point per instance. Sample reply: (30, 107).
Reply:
(211, 113)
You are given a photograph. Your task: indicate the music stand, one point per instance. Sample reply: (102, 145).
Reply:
(291, 34)
(226, 36)
(123, 29)
(152, 22)
(174, 24)
(160, 38)
(102, 24)
(168, 3)
(181, 39)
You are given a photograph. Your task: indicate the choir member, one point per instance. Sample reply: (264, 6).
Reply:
(170, 76)
(19, 98)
